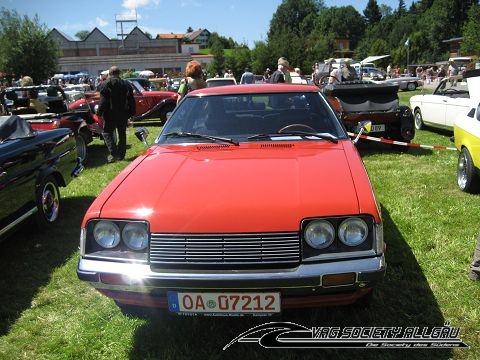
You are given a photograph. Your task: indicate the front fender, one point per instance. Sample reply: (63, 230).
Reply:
(154, 111)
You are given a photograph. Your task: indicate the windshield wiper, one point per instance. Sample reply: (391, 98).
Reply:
(303, 134)
(202, 136)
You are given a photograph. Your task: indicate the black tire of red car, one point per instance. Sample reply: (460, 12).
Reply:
(48, 202)
(419, 125)
(162, 114)
(467, 178)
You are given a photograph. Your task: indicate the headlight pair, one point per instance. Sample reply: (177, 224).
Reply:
(320, 234)
(134, 235)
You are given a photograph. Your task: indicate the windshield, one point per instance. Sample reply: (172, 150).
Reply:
(242, 117)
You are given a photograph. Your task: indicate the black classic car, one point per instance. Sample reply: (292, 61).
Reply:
(17, 101)
(357, 101)
(33, 165)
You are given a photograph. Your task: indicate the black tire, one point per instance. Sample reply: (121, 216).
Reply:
(48, 202)
(411, 86)
(467, 178)
(81, 142)
(164, 111)
(418, 120)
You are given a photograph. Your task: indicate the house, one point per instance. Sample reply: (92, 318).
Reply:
(135, 51)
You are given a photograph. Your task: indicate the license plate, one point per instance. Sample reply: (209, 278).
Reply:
(378, 128)
(204, 303)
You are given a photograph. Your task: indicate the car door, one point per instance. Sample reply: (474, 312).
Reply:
(433, 109)
(19, 160)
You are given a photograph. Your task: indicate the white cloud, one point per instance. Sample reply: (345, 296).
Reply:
(134, 4)
(101, 22)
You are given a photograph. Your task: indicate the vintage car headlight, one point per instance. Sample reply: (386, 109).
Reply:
(107, 234)
(352, 231)
(319, 234)
(135, 236)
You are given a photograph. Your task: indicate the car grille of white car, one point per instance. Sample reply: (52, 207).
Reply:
(225, 249)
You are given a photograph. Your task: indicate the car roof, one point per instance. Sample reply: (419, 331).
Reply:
(255, 89)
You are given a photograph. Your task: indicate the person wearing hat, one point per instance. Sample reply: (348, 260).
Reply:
(335, 73)
(348, 72)
(282, 74)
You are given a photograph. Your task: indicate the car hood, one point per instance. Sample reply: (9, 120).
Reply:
(257, 188)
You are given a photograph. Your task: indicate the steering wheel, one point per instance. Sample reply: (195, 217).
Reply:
(324, 79)
(302, 126)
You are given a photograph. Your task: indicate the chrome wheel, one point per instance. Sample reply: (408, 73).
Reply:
(81, 147)
(467, 179)
(418, 120)
(48, 201)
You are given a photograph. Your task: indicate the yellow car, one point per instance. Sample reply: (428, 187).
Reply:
(467, 141)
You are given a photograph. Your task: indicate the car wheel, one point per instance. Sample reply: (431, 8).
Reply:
(48, 202)
(411, 86)
(81, 142)
(164, 111)
(419, 125)
(467, 179)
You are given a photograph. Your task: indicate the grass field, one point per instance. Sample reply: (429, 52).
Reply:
(430, 230)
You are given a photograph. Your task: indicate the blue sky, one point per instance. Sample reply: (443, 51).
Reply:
(245, 21)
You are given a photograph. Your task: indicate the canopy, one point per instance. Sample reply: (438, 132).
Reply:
(146, 73)
(371, 59)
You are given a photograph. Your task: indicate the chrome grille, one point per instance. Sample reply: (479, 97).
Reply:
(225, 249)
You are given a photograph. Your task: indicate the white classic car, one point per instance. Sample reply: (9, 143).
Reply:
(440, 109)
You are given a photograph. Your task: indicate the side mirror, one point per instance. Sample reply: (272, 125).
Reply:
(363, 127)
(142, 134)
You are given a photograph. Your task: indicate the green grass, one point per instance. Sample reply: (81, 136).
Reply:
(430, 229)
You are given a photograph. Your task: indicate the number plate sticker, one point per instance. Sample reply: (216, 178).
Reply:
(224, 303)
(378, 128)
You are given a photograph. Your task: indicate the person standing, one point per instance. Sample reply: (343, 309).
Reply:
(475, 265)
(194, 79)
(117, 105)
(280, 75)
(247, 77)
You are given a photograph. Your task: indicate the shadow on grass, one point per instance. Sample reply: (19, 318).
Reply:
(29, 256)
(404, 299)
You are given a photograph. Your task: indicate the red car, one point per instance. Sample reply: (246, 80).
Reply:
(149, 104)
(251, 200)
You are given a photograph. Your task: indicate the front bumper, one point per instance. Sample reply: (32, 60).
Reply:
(308, 285)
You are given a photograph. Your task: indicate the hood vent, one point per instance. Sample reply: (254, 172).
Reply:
(277, 145)
(213, 147)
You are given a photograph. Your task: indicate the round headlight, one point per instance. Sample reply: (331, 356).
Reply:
(135, 236)
(319, 234)
(106, 234)
(353, 231)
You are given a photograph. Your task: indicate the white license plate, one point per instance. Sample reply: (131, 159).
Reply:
(224, 303)
(378, 128)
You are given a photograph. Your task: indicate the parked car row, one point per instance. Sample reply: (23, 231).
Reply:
(454, 107)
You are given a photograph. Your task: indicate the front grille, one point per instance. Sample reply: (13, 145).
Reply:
(225, 249)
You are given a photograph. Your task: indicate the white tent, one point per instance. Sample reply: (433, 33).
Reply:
(372, 59)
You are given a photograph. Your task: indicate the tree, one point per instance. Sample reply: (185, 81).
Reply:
(290, 28)
(82, 34)
(471, 32)
(372, 12)
(217, 65)
(25, 47)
